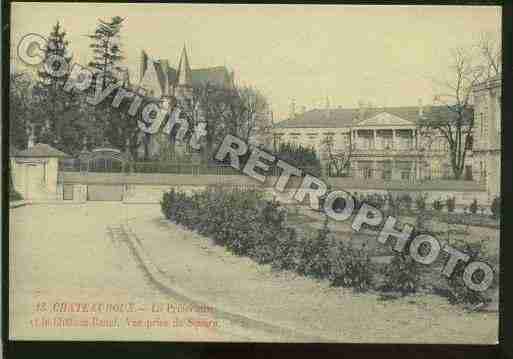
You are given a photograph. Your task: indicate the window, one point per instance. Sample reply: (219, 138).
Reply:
(67, 192)
(277, 140)
(388, 143)
(329, 138)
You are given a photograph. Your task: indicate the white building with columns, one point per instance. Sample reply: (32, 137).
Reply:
(384, 143)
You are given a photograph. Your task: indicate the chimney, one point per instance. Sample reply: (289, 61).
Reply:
(421, 108)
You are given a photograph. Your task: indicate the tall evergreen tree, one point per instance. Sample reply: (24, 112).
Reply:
(57, 110)
(106, 47)
(21, 108)
(119, 129)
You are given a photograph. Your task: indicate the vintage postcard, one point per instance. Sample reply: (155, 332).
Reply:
(254, 173)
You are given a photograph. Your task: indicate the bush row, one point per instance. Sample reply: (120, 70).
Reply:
(396, 204)
(248, 225)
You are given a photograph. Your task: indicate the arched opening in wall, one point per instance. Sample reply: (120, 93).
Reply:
(108, 160)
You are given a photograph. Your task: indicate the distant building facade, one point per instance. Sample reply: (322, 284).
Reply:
(384, 143)
(487, 135)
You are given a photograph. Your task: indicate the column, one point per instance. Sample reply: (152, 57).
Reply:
(374, 145)
(416, 134)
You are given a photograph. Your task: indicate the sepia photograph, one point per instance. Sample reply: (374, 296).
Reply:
(254, 173)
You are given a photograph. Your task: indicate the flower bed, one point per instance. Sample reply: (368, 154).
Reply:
(248, 225)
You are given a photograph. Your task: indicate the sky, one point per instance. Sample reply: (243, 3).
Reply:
(312, 54)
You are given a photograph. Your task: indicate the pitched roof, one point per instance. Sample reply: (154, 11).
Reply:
(41, 150)
(346, 117)
(162, 76)
(321, 118)
(218, 76)
(184, 69)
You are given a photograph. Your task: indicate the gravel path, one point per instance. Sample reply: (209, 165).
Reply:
(78, 254)
(283, 298)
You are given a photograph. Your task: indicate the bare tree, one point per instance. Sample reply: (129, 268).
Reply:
(491, 51)
(254, 120)
(238, 111)
(453, 117)
(220, 109)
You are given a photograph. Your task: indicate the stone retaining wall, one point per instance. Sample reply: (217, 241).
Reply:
(148, 188)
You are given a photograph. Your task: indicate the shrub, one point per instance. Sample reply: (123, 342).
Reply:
(394, 204)
(437, 205)
(473, 206)
(495, 207)
(420, 202)
(288, 250)
(458, 292)
(467, 219)
(451, 204)
(299, 156)
(402, 274)
(314, 258)
(358, 270)
(407, 201)
(351, 267)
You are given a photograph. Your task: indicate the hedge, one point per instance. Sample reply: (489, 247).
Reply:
(249, 225)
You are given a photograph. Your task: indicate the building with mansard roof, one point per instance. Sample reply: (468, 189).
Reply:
(383, 143)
